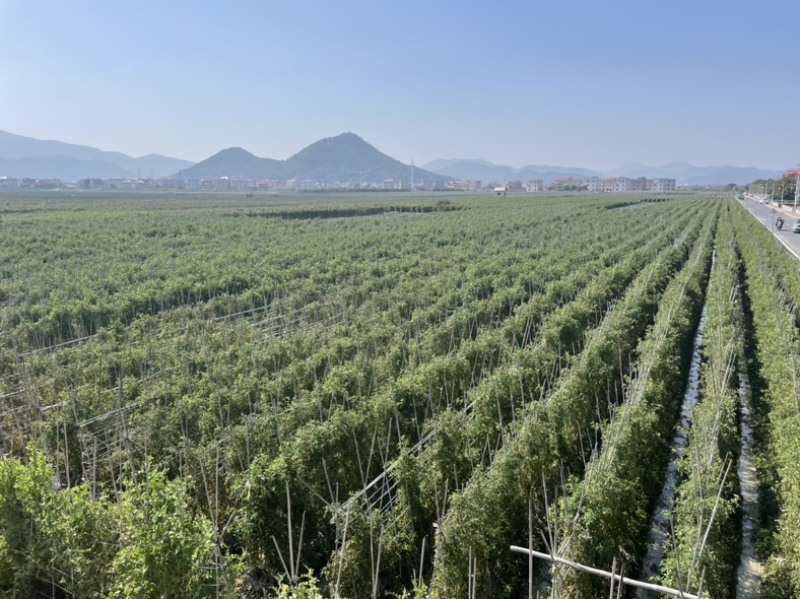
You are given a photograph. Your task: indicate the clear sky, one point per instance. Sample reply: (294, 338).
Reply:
(568, 82)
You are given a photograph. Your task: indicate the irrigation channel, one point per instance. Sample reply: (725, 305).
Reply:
(660, 530)
(748, 576)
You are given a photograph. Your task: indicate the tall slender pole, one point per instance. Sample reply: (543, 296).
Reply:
(610, 575)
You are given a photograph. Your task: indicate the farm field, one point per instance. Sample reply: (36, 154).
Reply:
(377, 395)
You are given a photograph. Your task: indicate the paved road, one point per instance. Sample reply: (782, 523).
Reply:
(768, 213)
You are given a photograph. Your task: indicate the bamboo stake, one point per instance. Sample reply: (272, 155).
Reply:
(619, 578)
(291, 545)
(530, 544)
(613, 578)
(421, 562)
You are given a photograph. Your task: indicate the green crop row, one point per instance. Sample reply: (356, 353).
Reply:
(770, 278)
(706, 523)
(419, 395)
(175, 369)
(490, 513)
(607, 514)
(475, 428)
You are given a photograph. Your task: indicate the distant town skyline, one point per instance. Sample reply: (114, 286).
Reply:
(568, 83)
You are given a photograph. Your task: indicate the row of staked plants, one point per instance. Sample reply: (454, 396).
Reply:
(464, 433)
(553, 438)
(191, 389)
(484, 403)
(706, 519)
(772, 283)
(607, 514)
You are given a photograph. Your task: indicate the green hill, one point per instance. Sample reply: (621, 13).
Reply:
(345, 158)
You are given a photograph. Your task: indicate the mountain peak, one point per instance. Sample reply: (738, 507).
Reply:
(342, 141)
(230, 162)
(347, 135)
(235, 153)
(345, 158)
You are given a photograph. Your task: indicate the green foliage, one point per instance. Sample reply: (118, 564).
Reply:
(782, 189)
(490, 512)
(26, 497)
(613, 501)
(773, 288)
(265, 515)
(713, 443)
(51, 537)
(165, 548)
(232, 346)
(306, 588)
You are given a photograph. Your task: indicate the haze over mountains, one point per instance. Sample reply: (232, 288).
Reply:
(343, 158)
(486, 172)
(686, 174)
(44, 159)
(683, 173)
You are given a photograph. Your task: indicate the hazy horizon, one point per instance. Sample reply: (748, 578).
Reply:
(561, 83)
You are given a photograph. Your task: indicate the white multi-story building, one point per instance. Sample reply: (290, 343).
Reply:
(622, 184)
(9, 182)
(534, 185)
(612, 184)
(134, 184)
(660, 185)
(594, 184)
(240, 184)
(617, 184)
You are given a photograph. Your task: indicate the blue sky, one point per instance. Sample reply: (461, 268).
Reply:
(566, 82)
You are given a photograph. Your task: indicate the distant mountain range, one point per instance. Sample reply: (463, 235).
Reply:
(46, 159)
(345, 158)
(486, 172)
(686, 174)
(683, 173)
